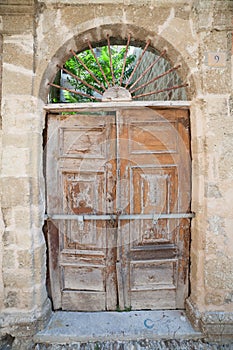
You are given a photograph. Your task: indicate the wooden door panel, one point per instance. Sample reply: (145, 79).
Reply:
(81, 155)
(155, 151)
(88, 142)
(152, 136)
(153, 283)
(153, 274)
(154, 189)
(147, 300)
(83, 301)
(84, 278)
(84, 193)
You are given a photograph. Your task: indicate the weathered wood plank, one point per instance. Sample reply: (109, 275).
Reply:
(151, 253)
(83, 301)
(84, 278)
(152, 275)
(156, 299)
(90, 106)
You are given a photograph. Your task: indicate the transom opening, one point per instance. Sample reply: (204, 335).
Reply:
(122, 71)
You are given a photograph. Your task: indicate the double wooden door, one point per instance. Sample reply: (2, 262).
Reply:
(118, 201)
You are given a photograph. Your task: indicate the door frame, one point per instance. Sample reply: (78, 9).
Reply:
(107, 106)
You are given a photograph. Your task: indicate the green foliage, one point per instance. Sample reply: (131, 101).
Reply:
(75, 67)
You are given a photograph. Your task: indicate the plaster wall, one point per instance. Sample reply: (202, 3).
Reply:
(35, 37)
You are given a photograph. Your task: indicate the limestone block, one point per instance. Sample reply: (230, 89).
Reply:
(178, 32)
(212, 190)
(2, 229)
(196, 277)
(29, 143)
(40, 294)
(20, 115)
(8, 238)
(229, 241)
(12, 298)
(8, 259)
(215, 223)
(183, 11)
(16, 192)
(18, 51)
(19, 23)
(216, 79)
(214, 298)
(219, 272)
(40, 270)
(21, 104)
(8, 217)
(22, 218)
(15, 161)
(225, 165)
(222, 206)
(24, 258)
(38, 236)
(18, 2)
(38, 211)
(25, 122)
(212, 162)
(209, 15)
(18, 278)
(197, 125)
(23, 238)
(222, 15)
(214, 41)
(198, 228)
(198, 146)
(20, 139)
(198, 165)
(16, 79)
(26, 301)
(217, 105)
(21, 222)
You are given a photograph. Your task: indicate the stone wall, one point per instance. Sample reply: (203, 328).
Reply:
(24, 296)
(35, 37)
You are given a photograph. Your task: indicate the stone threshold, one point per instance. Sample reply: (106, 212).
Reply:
(66, 327)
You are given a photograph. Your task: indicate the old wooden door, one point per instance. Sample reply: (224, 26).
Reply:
(118, 192)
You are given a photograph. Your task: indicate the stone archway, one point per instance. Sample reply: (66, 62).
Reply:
(70, 304)
(118, 32)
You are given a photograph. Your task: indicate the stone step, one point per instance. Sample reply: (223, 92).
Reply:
(72, 327)
(134, 330)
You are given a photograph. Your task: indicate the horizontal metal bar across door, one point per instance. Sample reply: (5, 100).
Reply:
(120, 217)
